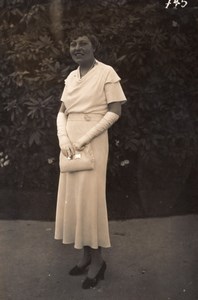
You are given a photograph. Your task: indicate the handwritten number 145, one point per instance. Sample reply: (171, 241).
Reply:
(181, 3)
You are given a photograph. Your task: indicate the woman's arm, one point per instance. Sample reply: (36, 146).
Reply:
(62, 108)
(113, 114)
(115, 107)
(64, 141)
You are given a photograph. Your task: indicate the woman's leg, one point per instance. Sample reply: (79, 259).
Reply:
(96, 262)
(86, 257)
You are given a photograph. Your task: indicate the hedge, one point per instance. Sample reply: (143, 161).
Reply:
(153, 49)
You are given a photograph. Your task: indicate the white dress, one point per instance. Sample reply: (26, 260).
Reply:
(81, 213)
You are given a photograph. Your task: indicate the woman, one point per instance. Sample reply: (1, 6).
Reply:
(91, 103)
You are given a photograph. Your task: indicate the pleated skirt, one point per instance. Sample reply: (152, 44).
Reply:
(81, 212)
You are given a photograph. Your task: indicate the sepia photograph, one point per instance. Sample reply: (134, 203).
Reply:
(99, 149)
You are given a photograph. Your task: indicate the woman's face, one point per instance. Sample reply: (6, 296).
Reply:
(81, 50)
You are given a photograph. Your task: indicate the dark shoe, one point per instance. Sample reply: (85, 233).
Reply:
(91, 282)
(75, 271)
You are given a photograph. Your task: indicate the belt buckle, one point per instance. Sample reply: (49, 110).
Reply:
(87, 117)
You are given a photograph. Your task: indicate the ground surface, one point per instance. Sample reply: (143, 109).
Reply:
(150, 259)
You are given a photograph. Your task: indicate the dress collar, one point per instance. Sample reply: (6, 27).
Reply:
(92, 68)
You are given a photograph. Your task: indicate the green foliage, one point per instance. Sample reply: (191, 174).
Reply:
(154, 51)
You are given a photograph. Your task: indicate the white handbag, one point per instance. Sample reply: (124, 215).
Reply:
(81, 161)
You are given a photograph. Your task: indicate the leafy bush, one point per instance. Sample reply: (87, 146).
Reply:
(154, 51)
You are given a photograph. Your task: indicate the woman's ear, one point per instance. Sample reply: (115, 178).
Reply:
(94, 48)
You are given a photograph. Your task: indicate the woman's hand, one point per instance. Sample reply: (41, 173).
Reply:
(68, 150)
(78, 146)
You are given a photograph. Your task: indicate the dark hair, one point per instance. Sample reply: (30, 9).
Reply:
(76, 33)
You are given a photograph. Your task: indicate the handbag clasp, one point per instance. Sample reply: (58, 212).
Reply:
(77, 156)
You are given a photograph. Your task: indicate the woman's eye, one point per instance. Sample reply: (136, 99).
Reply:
(83, 44)
(72, 44)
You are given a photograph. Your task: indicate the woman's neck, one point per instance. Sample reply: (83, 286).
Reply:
(85, 68)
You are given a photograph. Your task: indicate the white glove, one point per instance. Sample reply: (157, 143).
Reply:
(107, 121)
(64, 141)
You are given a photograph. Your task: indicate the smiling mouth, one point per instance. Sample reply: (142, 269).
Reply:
(78, 54)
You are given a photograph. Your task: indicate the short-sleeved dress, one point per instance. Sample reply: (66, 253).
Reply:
(81, 213)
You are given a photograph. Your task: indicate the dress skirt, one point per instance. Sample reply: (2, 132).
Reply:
(81, 213)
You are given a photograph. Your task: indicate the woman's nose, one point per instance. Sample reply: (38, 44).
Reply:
(77, 46)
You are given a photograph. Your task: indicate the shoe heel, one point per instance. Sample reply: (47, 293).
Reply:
(101, 274)
(91, 282)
